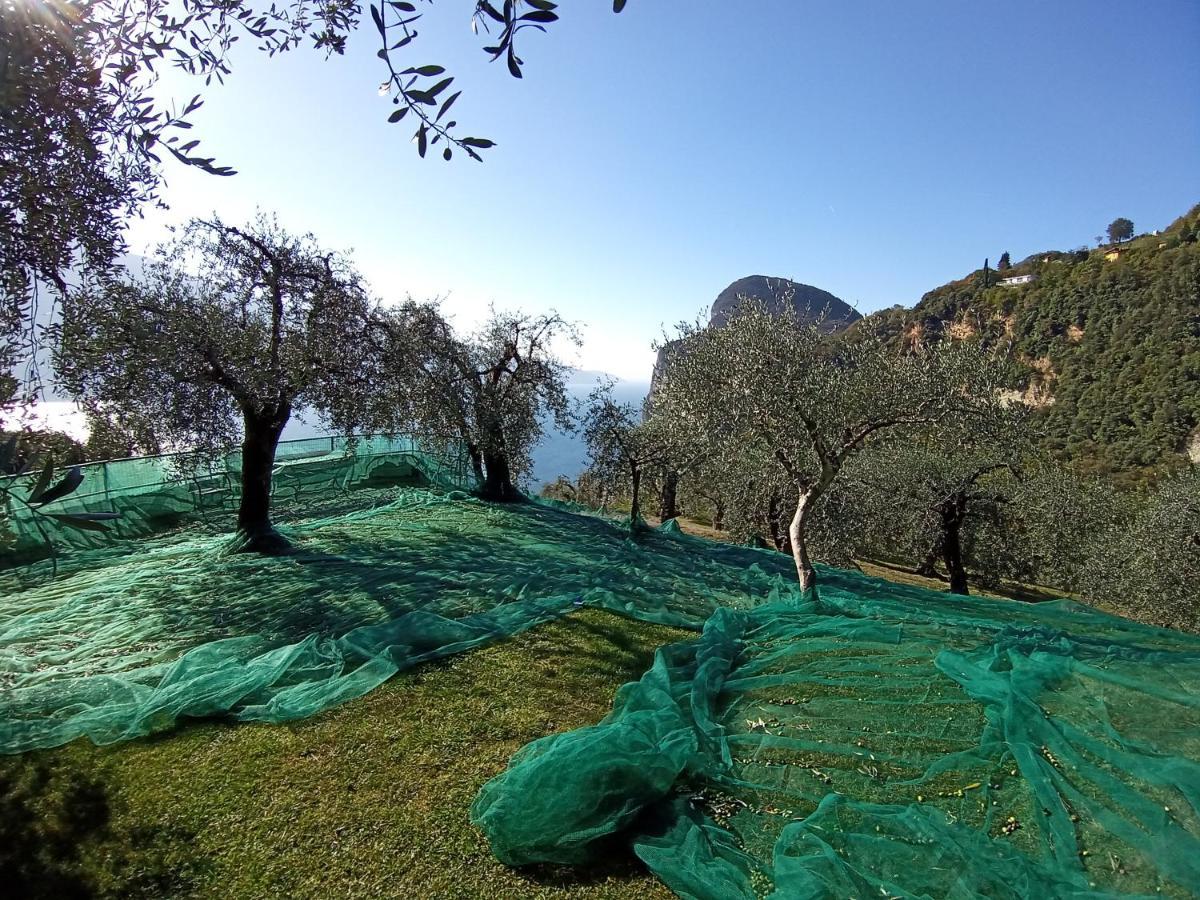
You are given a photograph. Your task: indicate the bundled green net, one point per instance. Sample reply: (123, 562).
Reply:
(883, 742)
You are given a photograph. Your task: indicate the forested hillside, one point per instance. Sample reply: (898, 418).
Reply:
(1109, 347)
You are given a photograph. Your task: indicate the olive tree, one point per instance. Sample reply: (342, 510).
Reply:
(780, 389)
(223, 338)
(493, 390)
(950, 495)
(1057, 519)
(751, 498)
(621, 447)
(1148, 566)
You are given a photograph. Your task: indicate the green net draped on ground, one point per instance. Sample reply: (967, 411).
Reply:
(130, 638)
(883, 742)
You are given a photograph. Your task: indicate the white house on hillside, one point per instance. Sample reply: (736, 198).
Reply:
(1016, 279)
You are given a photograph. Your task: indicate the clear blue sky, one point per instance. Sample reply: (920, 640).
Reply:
(875, 149)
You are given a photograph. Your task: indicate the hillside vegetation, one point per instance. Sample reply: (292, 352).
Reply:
(1035, 423)
(1110, 347)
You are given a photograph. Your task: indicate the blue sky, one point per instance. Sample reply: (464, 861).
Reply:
(875, 149)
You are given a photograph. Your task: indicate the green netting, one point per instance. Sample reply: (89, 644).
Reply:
(152, 493)
(126, 640)
(883, 741)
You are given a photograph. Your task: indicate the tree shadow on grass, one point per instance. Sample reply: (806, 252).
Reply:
(618, 864)
(56, 822)
(453, 562)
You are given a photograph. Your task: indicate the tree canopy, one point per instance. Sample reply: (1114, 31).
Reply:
(799, 405)
(493, 390)
(1120, 230)
(622, 448)
(944, 496)
(232, 330)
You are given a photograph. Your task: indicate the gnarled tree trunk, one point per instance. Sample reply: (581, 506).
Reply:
(797, 529)
(476, 458)
(806, 500)
(262, 431)
(953, 514)
(497, 479)
(635, 504)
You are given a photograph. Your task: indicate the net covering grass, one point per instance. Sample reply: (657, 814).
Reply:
(153, 493)
(880, 741)
(883, 741)
(128, 639)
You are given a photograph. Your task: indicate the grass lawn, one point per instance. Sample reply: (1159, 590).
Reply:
(369, 799)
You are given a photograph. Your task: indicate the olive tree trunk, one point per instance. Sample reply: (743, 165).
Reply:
(497, 479)
(806, 501)
(797, 534)
(261, 439)
(476, 462)
(635, 503)
(952, 556)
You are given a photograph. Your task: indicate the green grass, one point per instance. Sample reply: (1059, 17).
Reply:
(369, 799)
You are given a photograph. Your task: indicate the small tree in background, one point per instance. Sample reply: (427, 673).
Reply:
(1120, 230)
(1004, 263)
(780, 390)
(492, 390)
(621, 447)
(944, 496)
(222, 339)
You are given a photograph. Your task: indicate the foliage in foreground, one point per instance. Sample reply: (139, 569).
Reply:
(86, 126)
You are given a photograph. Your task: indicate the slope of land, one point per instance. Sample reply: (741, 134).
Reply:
(1108, 343)
(887, 696)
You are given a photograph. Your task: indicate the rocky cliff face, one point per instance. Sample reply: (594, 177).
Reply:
(778, 296)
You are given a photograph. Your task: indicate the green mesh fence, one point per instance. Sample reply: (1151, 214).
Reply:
(883, 742)
(155, 492)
